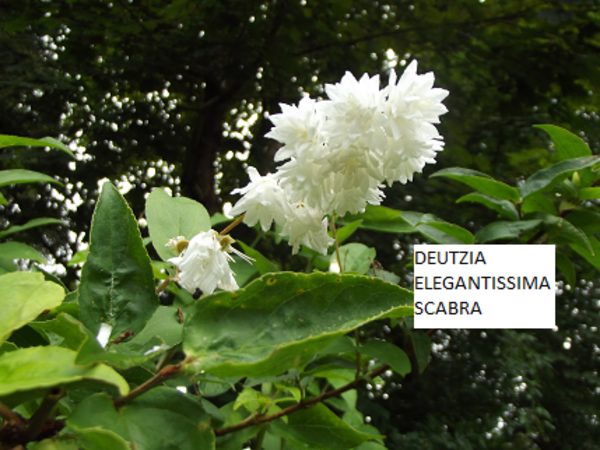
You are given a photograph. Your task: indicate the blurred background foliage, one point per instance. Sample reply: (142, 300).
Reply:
(177, 94)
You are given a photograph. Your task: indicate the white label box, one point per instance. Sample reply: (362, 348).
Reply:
(484, 286)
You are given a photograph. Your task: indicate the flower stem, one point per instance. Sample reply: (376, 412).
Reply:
(337, 244)
(232, 225)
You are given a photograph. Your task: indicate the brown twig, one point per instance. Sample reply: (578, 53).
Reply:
(256, 420)
(9, 415)
(41, 416)
(164, 374)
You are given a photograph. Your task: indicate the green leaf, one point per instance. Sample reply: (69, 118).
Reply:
(443, 232)
(505, 230)
(503, 207)
(251, 399)
(387, 353)
(117, 286)
(17, 250)
(592, 258)
(281, 320)
(55, 444)
(243, 271)
(589, 193)
(327, 363)
(262, 264)
(20, 176)
(79, 258)
(567, 144)
(170, 217)
(33, 223)
(346, 231)
(8, 141)
(356, 257)
(422, 348)
(381, 218)
(28, 371)
(564, 264)
(211, 386)
(554, 174)
(75, 336)
(562, 231)
(234, 441)
(3, 200)
(480, 181)
(99, 439)
(162, 418)
(585, 219)
(219, 218)
(538, 202)
(318, 428)
(25, 296)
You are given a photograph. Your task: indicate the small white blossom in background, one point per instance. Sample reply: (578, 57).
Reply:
(204, 264)
(337, 153)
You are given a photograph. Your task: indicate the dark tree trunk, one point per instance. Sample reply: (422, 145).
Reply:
(198, 181)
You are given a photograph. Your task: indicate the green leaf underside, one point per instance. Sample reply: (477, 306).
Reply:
(389, 354)
(318, 428)
(503, 207)
(20, 176)
(33, 223)
(160, 419)
(8, 141)
(481, 182)
(567, 144)
(552, 175)
(505, 230)
(25, 296)
(281, 320)
(117, 285)
(170, 217)
(356, 257)
(31, 370)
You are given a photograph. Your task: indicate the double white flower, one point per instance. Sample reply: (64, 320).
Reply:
(204, 264)
(339, 152)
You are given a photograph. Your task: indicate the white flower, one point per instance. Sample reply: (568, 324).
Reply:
(263, 201)
(412, 107)
(307, 226)
(204, 265)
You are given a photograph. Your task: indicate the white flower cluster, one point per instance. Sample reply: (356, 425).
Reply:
(338, 152)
